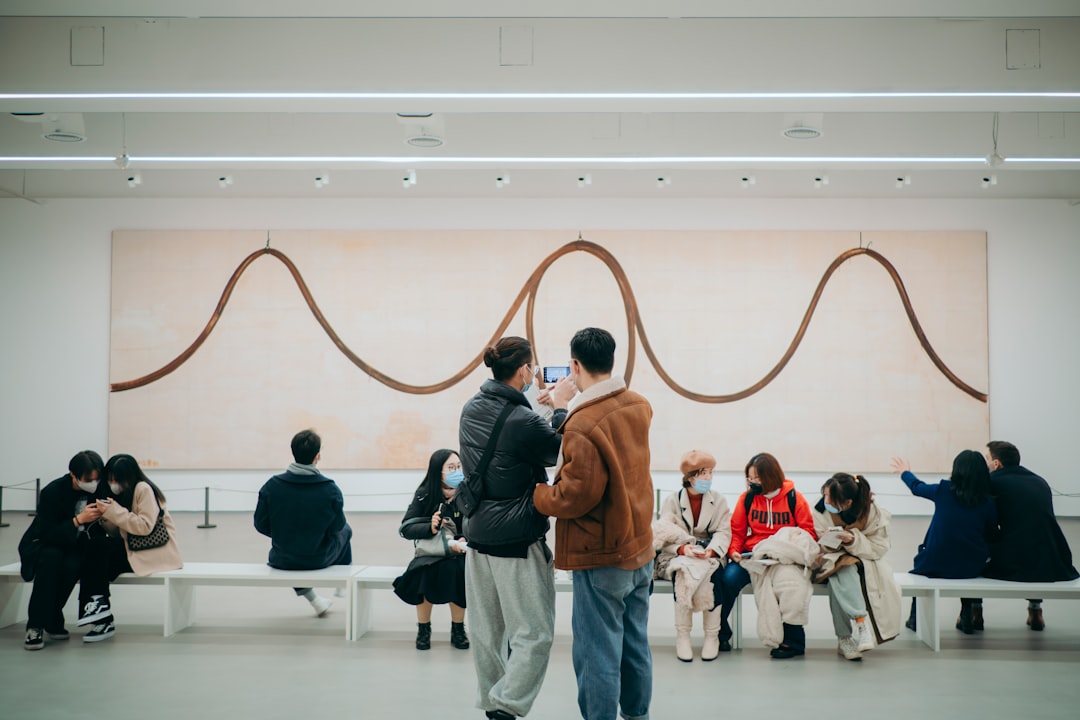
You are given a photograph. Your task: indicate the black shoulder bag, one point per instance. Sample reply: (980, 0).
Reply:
(470, 492)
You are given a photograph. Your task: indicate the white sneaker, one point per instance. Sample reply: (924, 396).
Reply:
(339, 592)
(848, 649)
(321, 605)
(101, 631)
(862, 634)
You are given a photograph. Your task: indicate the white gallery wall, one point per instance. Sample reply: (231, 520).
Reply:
(55, 290)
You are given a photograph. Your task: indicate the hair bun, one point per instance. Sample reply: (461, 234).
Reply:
(491, 356)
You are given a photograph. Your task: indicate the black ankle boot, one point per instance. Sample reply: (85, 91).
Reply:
(458, 638)
(423, 636)
(910, 624)
(966, 622)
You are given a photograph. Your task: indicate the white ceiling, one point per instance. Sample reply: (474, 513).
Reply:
(484, 57)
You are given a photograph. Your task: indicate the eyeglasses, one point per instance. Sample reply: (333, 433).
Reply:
(534, 371)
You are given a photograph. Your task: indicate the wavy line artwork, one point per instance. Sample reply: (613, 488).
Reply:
(634, 326)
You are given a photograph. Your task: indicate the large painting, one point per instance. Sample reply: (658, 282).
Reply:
(833, 350)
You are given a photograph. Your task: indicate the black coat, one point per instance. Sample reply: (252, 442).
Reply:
(304, 517)
(423, 507)
(1031, 546)
(526, 445)
(52, 525)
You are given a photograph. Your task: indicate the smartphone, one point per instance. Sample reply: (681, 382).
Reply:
(553, 373)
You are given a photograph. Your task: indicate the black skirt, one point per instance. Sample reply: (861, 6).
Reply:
(439, 580)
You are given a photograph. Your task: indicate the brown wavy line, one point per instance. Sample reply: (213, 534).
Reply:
(633, 323)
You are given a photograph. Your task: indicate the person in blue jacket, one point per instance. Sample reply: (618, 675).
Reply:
(303, 513)
(957, 543)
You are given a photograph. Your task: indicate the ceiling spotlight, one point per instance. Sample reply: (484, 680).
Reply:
(502, 180)
(821, 180)
(902, 180)
(122, 161)
(584, 180)
(994, 160)
(662, 181)
(224, 181)
(802, 132)
(321, 181)
(134, 181)
(988, 180)
(747, 180)
(409, 180)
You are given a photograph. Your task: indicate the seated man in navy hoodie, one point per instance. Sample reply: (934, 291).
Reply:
(302, 512)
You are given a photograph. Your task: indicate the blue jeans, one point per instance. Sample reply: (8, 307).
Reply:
(735, 578)
(612, 659)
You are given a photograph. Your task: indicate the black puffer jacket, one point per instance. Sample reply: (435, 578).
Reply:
(526, 445)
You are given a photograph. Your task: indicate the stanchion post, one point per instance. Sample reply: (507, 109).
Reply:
(656, 508)
(206, 509)
(37, 497)
(2, 523)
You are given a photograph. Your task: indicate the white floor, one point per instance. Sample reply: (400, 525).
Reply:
(260, 653)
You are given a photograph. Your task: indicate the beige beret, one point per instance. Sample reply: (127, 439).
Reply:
(696, 460)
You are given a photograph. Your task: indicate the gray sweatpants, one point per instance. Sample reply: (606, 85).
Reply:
(512, 621)
(845, 599)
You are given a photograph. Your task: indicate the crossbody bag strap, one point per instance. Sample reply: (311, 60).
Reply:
(489, 451)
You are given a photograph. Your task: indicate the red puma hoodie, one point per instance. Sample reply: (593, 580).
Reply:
(766, 516)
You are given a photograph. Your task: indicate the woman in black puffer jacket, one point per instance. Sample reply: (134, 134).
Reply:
(508, 572)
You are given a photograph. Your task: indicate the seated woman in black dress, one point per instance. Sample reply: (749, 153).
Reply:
(436, 579)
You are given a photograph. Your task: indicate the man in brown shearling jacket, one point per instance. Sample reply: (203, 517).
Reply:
(602, 498)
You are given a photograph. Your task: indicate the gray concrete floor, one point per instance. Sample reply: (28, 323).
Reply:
(260, 653)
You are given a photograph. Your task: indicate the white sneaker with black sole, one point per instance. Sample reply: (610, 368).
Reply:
(101, 631)
(35, 639)
(95, 610)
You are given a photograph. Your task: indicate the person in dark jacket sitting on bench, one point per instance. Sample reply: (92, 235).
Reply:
(303, 513)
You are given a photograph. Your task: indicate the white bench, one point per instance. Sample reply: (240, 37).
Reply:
(927, 591)
(179, 609)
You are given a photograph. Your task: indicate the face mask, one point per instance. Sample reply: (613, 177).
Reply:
(702, 485)
(755, 488)
(116, 488)
(88, 487)
(453, 479)
(832, 509)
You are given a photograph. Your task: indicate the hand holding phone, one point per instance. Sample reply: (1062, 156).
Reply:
(553, 373)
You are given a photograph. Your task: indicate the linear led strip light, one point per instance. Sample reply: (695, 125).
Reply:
(528, 95)
(525, 160)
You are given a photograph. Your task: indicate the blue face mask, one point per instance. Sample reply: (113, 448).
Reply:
(454, 478)
(832, 509)
(702, 486)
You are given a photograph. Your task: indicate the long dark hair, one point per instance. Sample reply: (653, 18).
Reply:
(125, 470)
(970, 477)
(855, 488)
(429, 491)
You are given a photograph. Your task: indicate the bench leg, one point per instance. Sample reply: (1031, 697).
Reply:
(929, 627)
(350, 608)
(361, 617)
(179, 606)
(736, 624)
(14, 599)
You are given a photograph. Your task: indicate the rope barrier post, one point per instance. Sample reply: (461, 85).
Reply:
(37, 497)
(206, 510)
(656, 507)
(2, 523)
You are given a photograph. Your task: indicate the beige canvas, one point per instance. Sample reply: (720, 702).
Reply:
(719, 310)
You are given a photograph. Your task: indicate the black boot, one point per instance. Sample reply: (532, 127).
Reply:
(423, 636)
(966, 622)
(910, 624)
(458, 638)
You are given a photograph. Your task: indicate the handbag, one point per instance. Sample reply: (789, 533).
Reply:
(438, 545)
(158, 537)
(470, 493)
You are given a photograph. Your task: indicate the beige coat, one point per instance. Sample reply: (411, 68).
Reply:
(782, 591)
(692, 576)
(870, 545)
(140, 520)
(714, 522)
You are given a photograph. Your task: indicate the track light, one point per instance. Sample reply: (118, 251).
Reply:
(134, 181)
(502, 180)
(747, 180)
(409, 180)
(662, 181)
(224, 181)
(820, 180)
(321, 181)
(988, 180)
(584, 180)
(903, 180)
